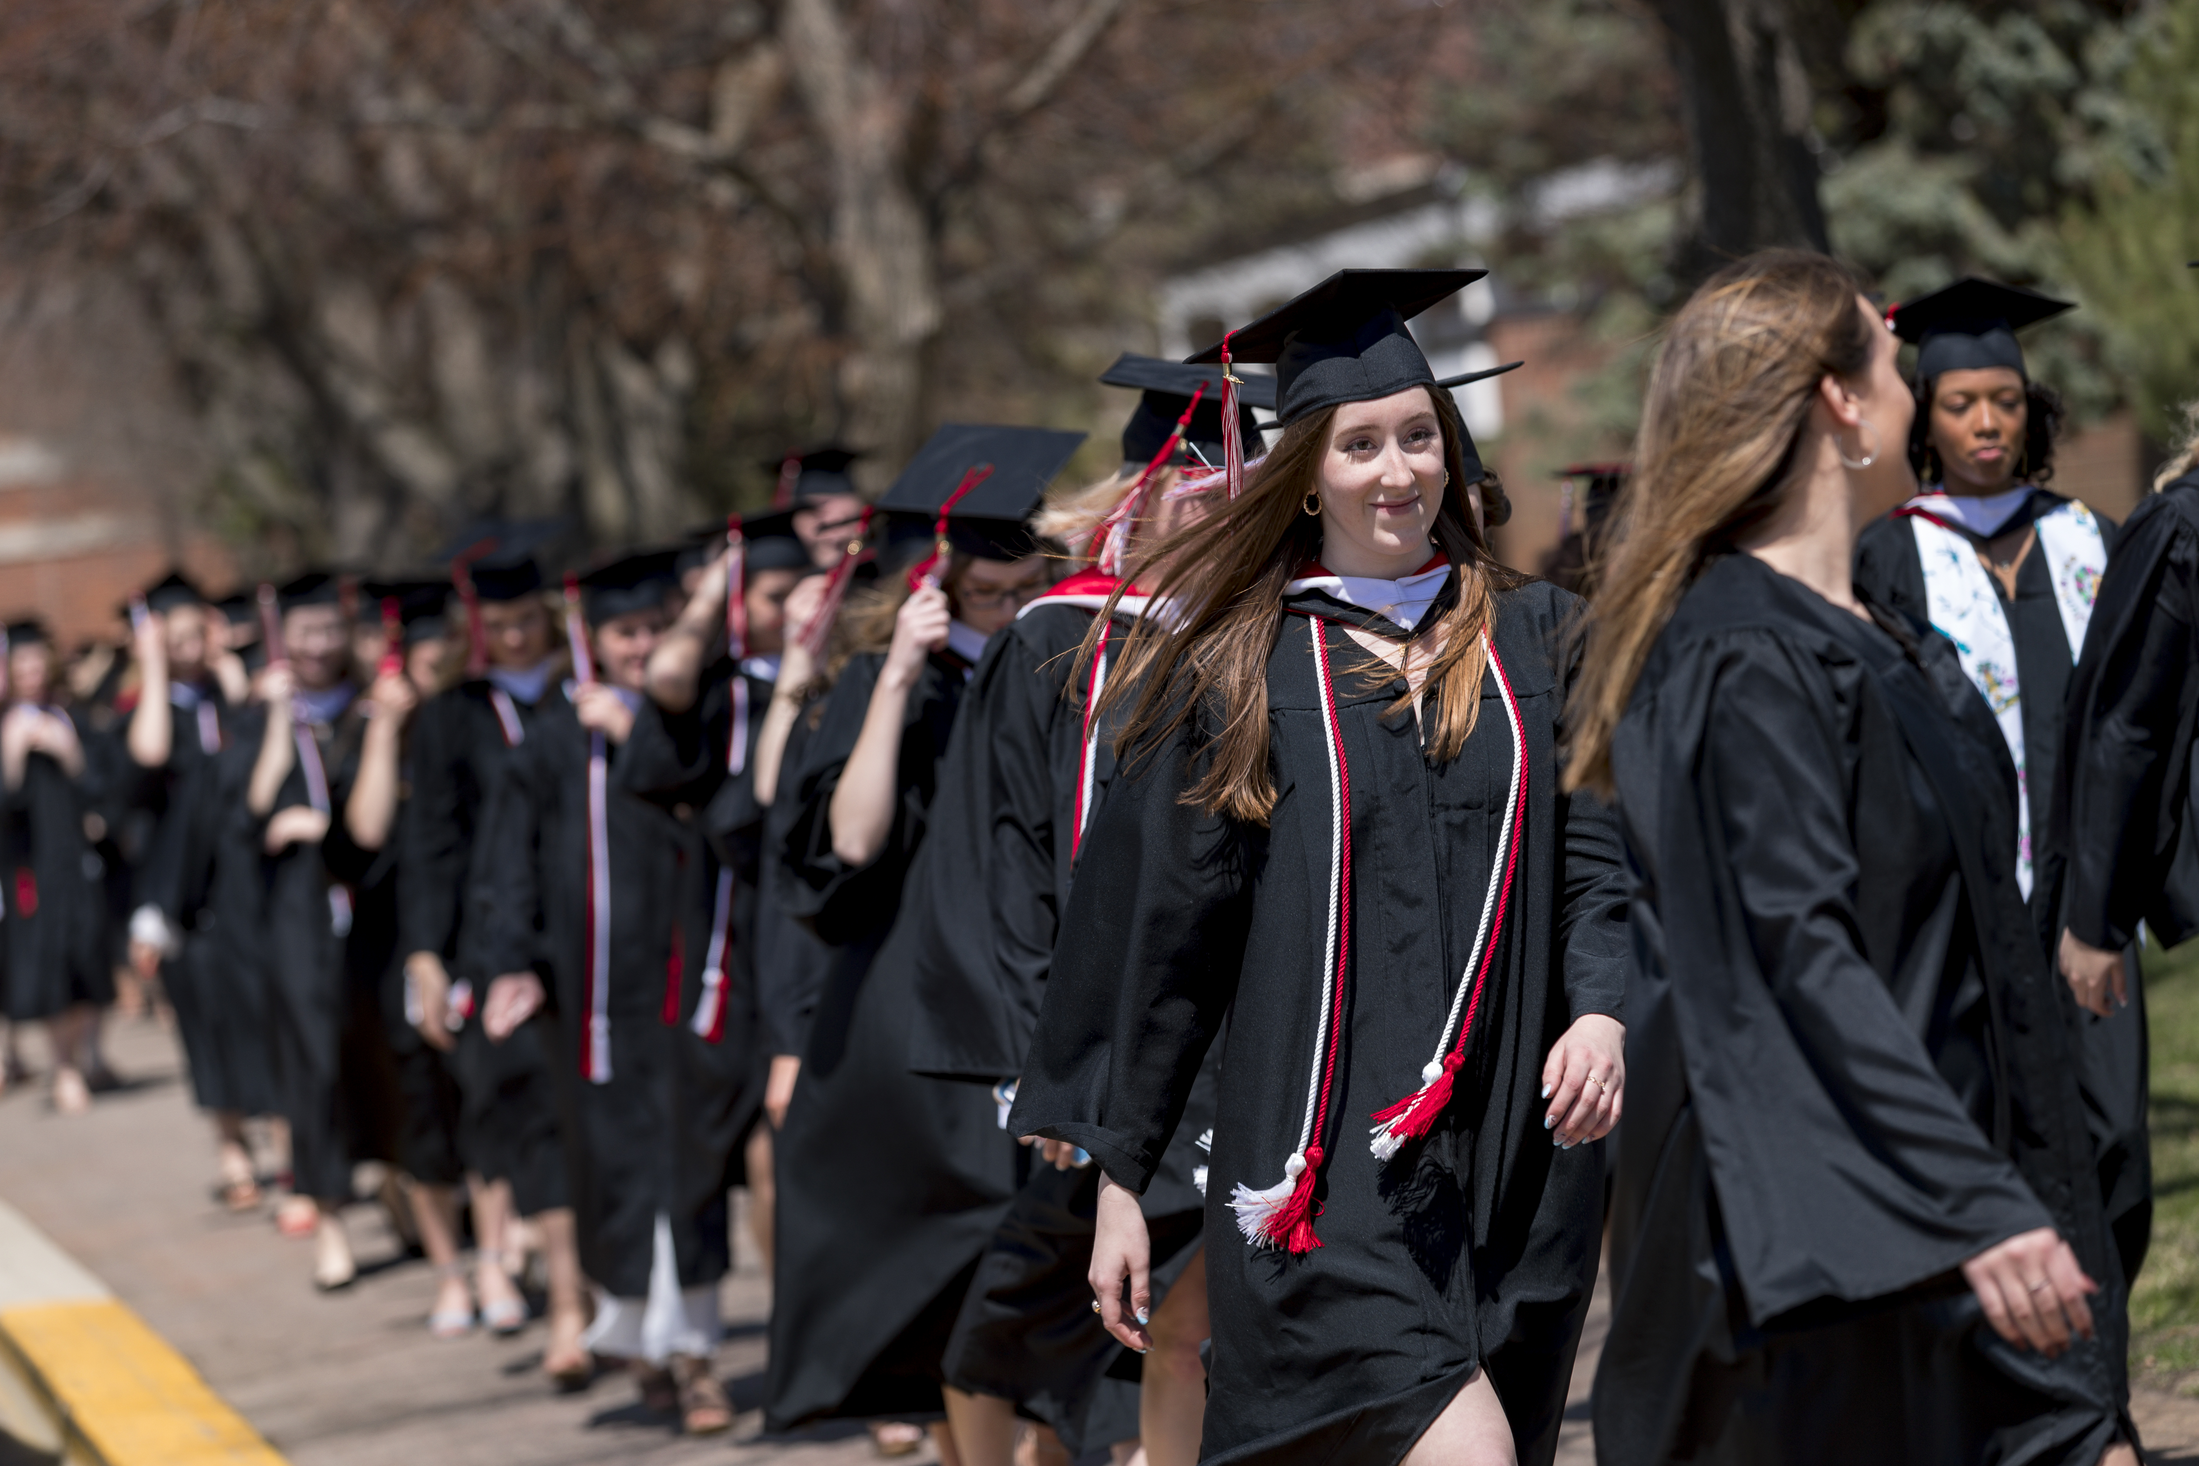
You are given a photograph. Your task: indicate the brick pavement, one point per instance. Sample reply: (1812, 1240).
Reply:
(353, 1379)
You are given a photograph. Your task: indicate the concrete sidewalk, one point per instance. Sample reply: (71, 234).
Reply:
(353, 1379)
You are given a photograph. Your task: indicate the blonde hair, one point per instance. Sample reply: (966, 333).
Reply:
(1726, 406)
(2185, 456)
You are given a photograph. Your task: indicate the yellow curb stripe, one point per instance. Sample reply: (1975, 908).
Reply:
(124, 1392)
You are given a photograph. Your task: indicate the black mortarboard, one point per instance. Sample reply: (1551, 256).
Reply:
(637, 582)
(499, 556)
(768, 543)
(27, 631)
(1971, 323)
(314, 588)
(173, 592)
(420, 605)
(813, 475)
(240, 609)
(986, 481)
(1345, 339)
(1168, 387)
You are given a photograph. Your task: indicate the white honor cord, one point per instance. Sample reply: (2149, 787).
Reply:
(1331, 744)
(599, 910)
(712, 1001)
(1496, 869)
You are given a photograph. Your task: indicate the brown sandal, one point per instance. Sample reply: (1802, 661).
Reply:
(703, 1406)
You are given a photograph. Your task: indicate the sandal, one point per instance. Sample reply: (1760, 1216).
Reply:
(566, 1361)
(660, 1393)
(703, 1406)
(452, 1323)
(297, 1218)
(71, 1095)
(897, 1438)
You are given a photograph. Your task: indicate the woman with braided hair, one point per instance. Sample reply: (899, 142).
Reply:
(1336, 819)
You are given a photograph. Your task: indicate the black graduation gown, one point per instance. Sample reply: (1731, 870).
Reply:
(204, 880)
(424, 1128)
(57, 916)
(1474, 1248)
(792, 961)
(508, 1113)
(628, 1144)
(679, 762)
(310, 912)
(1848, 1067)
(889, 1183)
(1009, 797)
(2122, 838)
(2111, 1051)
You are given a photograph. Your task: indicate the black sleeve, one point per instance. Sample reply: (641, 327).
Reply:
(677, 758)
(1144, 971)
(1844, 1164)
(436, 833)
(505, 933)
(791, 962)
(2125, 773)
(1592, 928)
(980, 981)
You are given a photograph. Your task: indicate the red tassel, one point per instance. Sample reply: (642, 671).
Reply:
(1292, 1224)
(26, 891)
(1414, 1115)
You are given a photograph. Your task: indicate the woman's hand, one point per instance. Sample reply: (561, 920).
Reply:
(1121, 1248)
(2033, 1291)
(918, 630)
(601, 710)
(393, 697)
(294, 824)
(513, 999)
(430, 982)
(1060, 1154)
(1585, 1079)
(2095, 975)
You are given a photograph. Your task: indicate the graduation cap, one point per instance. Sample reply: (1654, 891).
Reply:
(636, 582)
(1170, 388)
(498, 557)
(1971, 323)
(26, 631)
(976, 485)
(314, 588)
(240, 608)
(1345, 339)
(172, 592)
(817, 474)
(419, 604)
(768, 542)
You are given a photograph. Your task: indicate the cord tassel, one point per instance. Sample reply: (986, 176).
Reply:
(1282, 1215)
(1415, 1115)
(818, 627)
(1113, 540)
(595, 1053)
(1233, 433)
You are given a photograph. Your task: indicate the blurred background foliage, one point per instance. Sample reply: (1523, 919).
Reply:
(412, 261)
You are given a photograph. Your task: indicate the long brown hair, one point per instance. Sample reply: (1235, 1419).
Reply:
(1224, 576)
(1715, 456)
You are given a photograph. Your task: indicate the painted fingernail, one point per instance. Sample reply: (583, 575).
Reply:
(1549, 1121)
(1546, 1091)
(1143, 1317)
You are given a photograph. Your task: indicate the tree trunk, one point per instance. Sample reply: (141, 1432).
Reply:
(881, 245)
(1746, 101)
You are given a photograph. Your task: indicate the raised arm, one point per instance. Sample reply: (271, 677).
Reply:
(863, 805)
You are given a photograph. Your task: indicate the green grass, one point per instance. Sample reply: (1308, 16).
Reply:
(2164, 1308)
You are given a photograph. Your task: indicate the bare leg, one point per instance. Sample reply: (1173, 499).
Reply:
(562, 1357)
(1172, 1401)
(2122, 1453)
(763, 1192)
(984, 1428)
(1040, 1446)
(942, 1441)
(65, 1036)
(240, 1187)
(435, 1214)
(333, 1265)
(501, 1306)
(1471, 1431)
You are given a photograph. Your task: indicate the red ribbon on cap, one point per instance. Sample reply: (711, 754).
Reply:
(927, 571)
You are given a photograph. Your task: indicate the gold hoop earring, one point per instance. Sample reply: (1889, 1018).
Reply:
(1312, 506)
(1863, 425)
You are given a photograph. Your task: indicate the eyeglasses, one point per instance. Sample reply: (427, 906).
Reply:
(992, 600)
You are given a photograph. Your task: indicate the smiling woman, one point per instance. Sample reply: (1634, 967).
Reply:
(1405, 919)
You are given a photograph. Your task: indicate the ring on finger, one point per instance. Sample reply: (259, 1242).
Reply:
(2039, 1287)
(1095, 1305)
